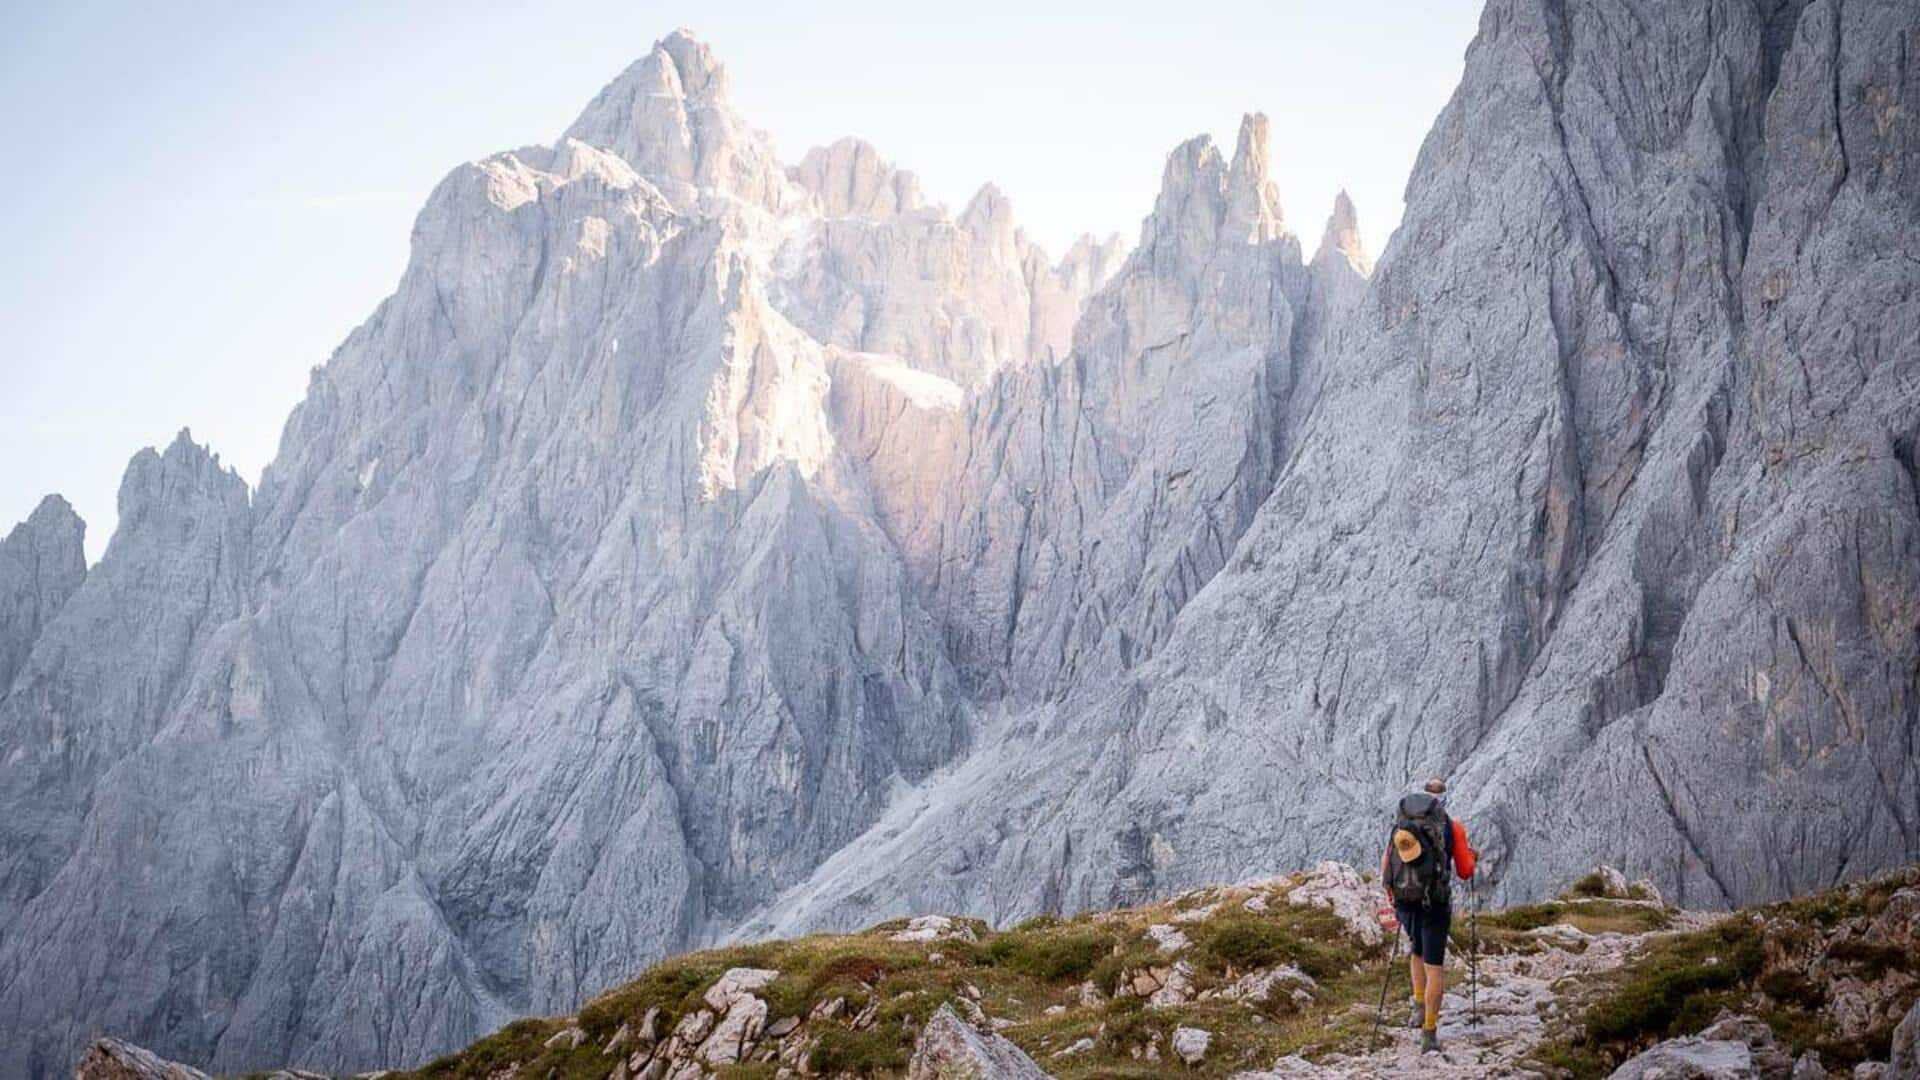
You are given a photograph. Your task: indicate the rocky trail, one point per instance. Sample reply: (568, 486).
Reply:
(1267, 980)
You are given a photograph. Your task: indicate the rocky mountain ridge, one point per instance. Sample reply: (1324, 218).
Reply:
(696, 547)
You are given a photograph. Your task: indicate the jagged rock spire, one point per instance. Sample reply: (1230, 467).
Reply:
(1341, 239)
(1253, 203)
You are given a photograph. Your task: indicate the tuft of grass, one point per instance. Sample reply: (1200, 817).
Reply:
(1052, 954)
(877, 1051)
(1592, 885)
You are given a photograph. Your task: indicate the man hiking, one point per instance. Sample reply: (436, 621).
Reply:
(1425, 850)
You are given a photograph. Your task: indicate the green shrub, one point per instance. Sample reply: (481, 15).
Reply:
(1050, 955)
(1247, 942)
(1790, 987)
(877, 1051)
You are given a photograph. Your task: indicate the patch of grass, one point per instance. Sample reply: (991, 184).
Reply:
(1051, 954)
(1870, 959)
(1590, 916)
(1573, 1061)
(877, 1051)
(1242, 943)
(1790, 987)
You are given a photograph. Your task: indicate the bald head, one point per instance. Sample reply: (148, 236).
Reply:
(1436, 786)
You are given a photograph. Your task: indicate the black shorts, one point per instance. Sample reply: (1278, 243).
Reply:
(1426, 929)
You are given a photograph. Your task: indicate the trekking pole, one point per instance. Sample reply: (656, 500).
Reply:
(1393, 953)
(1473, 953)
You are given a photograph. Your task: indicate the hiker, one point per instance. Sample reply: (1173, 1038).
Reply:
(1426, 849)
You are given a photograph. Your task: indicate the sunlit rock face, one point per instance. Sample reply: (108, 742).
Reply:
(701, 544)
(1599, 498)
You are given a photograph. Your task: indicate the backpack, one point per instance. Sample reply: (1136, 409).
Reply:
(1427, 879)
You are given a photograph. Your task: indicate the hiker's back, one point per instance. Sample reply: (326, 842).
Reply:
(1420, 857)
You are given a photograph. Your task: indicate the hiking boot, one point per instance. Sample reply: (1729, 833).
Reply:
(1418, 1018)
(1429, 1041)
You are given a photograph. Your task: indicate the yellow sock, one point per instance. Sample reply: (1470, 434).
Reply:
(1419, 997)
(1433, 1016)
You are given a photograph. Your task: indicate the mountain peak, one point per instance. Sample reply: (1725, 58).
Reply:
(851, 179)
(1253, 202)
(701, 74)
(1342, 237)
(668, 114)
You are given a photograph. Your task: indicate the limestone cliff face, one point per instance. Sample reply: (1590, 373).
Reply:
(1605, 507)
(694, 545)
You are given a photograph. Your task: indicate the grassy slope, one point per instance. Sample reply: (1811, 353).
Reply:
(1031, 975)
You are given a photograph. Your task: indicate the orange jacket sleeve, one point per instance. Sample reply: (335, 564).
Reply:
(1464, 857)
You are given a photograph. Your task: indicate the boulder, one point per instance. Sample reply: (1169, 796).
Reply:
(736, 1032)
(1732, 1048)
(949, 1049)
(1190, 1044)
(1169, 939)
(737, 983)
(1905, 1061)
(1613, 883)
(1341, 888)
(111, 1059)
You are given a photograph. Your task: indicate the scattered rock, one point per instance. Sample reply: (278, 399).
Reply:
(1259, 986)
(736, 1033)
(111, 1059)
(936, 928)
(694, 1027)
(782, 1027)
(571, 1036)
(1341, 888)
(1176, 985)
(619, 1039)
(1078, 1046)
(948, 1049)
(736, 983)
(1190, 1044)
(1169, 939)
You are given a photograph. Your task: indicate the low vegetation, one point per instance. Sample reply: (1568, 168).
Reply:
(1068, 990)
(1776, 963)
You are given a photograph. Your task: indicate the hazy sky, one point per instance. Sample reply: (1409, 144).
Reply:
(204, 198)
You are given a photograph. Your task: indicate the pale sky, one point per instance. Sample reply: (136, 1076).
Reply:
(204, 198)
